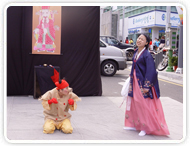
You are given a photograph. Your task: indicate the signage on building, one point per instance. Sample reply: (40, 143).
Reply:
(161, 19)
(133, 31)
(142, 20)
(162, 31)
(154, 18)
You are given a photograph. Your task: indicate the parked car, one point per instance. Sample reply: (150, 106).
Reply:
(111, 59)
(129, 49)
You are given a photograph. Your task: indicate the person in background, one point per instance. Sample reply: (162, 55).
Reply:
(131, 42)
(157, 43)
(150, 45)
(127, 41)
(162, 41)
(154, 44)
(145, 113)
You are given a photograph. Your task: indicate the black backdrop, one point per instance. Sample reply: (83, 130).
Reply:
(80, 59)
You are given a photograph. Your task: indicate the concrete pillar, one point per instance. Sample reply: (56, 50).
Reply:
(155, 33)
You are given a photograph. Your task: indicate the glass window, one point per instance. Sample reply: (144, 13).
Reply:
(112, 41)
(103, 39)
(152, 7)
(148, 8)
(138, 11)
(144, 9)
(128, 8)
(102, 44)
(129, 14)
(132, 12)
(119, 7)
(158, 7)
(163, 8)
(135, 12)
(173, 9)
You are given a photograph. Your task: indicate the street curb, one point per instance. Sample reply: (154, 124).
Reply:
(171, 75)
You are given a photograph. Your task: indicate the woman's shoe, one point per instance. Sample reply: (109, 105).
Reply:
(142, 133)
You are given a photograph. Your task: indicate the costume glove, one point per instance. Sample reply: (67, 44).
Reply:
(71, 101)
(53, 100)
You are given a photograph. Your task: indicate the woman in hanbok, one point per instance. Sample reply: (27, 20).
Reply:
(145, 113)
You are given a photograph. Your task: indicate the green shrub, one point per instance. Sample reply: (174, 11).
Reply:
(174, 60)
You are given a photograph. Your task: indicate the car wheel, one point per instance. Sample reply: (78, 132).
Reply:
(130, 55)
(108, 68)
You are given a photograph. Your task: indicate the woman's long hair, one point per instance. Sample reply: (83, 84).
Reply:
(147, 40)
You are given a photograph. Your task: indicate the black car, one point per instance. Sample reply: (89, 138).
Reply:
(129, 49)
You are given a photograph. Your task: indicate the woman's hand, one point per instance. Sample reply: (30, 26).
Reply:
(145, 90)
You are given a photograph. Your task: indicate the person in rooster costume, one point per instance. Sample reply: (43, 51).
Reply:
(56, 104)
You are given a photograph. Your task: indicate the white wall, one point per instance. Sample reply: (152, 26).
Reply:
(101, 12)
(105, 27)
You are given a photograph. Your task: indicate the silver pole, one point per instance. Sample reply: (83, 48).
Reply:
(180, 51)
(168, 24)
(170, 51)
(123, 37)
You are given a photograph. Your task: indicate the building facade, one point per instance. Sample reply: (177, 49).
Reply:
(144, 19)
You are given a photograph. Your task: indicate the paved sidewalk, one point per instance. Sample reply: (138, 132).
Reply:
(171, 76)
(96, 118)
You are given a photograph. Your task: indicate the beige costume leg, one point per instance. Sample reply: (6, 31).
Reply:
(66, 126)
(49, 126)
